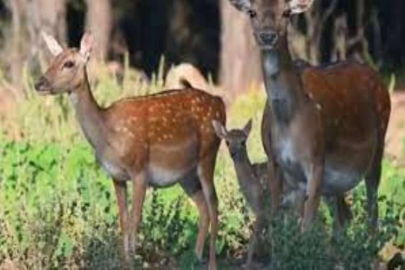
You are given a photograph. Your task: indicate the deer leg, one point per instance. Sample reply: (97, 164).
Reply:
(257, 229)
(372, 184)
(343, 213)
(206, 175)
(138, 196)
(275, 185)
(121, 193)
(312, 200)
(193, 189)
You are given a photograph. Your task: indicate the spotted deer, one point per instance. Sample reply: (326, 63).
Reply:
(323, 127)
(250, 176)
(157, 140)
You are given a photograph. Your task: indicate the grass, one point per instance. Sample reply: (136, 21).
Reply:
(58, 209)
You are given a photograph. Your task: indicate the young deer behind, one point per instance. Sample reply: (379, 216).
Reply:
(155, 140)
(252, 178)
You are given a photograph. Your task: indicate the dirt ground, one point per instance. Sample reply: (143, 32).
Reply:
(395, 139)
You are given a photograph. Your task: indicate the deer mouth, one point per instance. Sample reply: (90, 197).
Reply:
(43, 86)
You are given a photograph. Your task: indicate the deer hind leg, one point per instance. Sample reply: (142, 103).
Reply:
(121, 193)
(138, 196)
(372, 184)
(206, 175)
(192, 187)
(275, 184)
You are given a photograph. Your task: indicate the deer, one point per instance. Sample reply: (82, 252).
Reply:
(323, 128)
(155, 140)
(250, 177)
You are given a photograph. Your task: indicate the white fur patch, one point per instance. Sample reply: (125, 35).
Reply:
(114, 171)
(161, 176)
(287, 151)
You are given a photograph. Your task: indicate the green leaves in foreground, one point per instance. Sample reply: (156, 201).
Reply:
(58, 210)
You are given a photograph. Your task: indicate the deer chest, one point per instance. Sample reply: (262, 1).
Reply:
(287, 158)
(113, 168)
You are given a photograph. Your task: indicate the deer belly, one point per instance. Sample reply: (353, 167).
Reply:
(169, 163)
(340, 180)
(345, 168)
(161, 176)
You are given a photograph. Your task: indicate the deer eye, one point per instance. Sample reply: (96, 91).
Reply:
(252, 13)
(68, 64)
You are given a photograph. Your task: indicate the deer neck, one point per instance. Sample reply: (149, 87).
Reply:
(89, 114)
(243, 167)
(285, 95)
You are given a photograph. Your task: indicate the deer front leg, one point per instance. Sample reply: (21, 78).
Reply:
(257, 229)
(314, 186)
(138, 195)
(121, 193)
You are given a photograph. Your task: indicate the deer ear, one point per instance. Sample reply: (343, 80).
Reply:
(247, 128)
(54, 47)
(299, 6)
(220, 130)
(86, 45)
(241, 5)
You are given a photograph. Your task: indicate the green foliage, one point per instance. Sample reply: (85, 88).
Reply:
(392, 190)
(352, 247)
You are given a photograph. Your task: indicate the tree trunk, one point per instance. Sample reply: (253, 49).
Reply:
(310, 40)
(99, 22)
(48, 16)
(240, 58)
(17, 8)
(339, 39)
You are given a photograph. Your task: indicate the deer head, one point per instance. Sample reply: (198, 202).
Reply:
(67, 69)
(235, 139)
(268, 17)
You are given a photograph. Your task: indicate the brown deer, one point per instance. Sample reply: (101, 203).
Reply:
(155, 140)
(323, 127)
(250, 176)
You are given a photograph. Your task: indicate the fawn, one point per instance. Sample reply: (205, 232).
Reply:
(251, 177)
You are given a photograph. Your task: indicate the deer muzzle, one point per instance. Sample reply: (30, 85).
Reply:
(43, 86)
(267, 39)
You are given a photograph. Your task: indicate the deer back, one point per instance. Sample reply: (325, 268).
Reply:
(173, 119)
(352, 98)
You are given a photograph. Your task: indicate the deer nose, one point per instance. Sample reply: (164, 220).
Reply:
(42, 84)
(268, 38)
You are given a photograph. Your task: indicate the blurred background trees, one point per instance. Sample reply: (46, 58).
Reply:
(210, 34)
